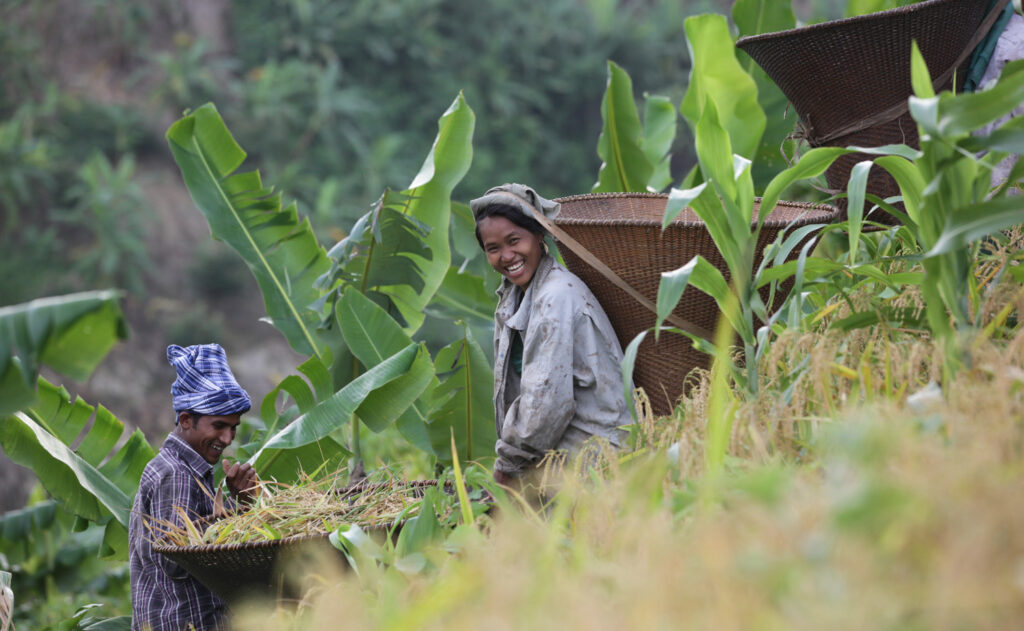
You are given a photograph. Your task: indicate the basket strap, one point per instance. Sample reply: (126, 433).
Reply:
(614, 278)
(900, 108)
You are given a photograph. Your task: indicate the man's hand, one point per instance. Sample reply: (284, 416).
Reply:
(502, 478)
(241, 481)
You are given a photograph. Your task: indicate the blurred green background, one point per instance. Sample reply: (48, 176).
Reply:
(335, 102)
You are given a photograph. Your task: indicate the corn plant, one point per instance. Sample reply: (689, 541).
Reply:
(951, 209)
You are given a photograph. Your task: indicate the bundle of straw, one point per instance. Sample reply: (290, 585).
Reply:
(307, 507)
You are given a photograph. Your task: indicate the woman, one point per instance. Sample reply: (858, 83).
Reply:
(557, 361)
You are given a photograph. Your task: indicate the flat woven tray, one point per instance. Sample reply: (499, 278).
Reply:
(623, 230)
(256, 569)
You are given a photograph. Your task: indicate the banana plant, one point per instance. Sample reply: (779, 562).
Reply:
(280, 249)
(753, 17)
(70, 334)
(396, 258)
(96, 480)
(634, 155)
(462, 407)
(716, 76)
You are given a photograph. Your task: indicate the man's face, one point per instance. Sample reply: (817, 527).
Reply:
(209, 436)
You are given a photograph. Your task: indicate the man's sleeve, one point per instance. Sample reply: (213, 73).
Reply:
(170, 501)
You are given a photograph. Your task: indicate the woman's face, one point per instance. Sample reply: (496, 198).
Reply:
(513, 251)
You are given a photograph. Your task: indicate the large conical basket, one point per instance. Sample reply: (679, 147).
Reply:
(623, 230)
(845, 77)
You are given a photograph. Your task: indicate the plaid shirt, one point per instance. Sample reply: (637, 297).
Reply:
(164, 596)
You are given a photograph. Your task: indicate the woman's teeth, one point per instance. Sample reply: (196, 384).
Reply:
(515, 268)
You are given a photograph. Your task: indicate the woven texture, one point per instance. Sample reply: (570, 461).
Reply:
(623, 230)
(237, 570)
(840, 72)
(246, 570)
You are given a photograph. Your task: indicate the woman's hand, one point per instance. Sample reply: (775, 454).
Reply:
(502, 478)
(241, 481)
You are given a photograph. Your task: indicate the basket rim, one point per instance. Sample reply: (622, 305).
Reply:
(236, 547)
(843, 22)
(815, 212)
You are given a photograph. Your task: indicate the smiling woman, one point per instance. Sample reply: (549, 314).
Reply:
(557, 361)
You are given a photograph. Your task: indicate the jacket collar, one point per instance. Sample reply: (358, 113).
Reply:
(508, 294)
(184, 452)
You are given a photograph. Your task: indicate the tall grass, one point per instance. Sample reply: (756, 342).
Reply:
(853, 497)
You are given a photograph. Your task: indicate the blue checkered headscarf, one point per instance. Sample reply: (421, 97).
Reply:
(205, 384)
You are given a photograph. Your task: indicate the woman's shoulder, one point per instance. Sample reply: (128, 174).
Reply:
(562, 286)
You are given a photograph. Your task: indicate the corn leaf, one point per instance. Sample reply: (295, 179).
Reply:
(811, 164)
(753, 17)
(970, 224)
(705, 277)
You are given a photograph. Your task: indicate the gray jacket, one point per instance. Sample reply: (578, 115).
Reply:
(571, 383)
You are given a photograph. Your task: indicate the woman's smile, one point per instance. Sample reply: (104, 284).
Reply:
(513, 251)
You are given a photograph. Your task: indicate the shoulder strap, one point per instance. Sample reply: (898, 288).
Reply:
(591, 260)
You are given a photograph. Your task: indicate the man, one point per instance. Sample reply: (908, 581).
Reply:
(208, 404)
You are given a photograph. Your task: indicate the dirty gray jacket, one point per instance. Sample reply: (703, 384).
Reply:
(571, 383)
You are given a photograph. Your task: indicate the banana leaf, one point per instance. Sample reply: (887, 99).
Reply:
(374, 336)
(659, 133)
(332, 413)
(463, 403)
(717, 76)
(278, 247)
(70, 334)
(379, 251)
(753, 17)
(464, 296)
(429, 202)
(92, 481)
(625, 167)
(79, 486)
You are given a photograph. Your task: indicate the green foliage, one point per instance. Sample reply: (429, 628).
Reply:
(189, 76)
(92, 481)
(753, 17)
(462, 409)
(383, 89)
(717, 77)
(625, 166)
(397, 255)
(69, 334)
(108, 210)
(279, 249)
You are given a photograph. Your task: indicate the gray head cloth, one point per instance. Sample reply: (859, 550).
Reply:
(518, 196)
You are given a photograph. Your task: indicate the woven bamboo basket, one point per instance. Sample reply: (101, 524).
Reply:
(623, 230)
(249, 570)
(846, 72)
(256, 569)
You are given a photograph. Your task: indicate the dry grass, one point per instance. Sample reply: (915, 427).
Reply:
(311, 506)
(848, 505)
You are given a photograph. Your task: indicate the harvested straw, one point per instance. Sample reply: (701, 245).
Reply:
(307, 507)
